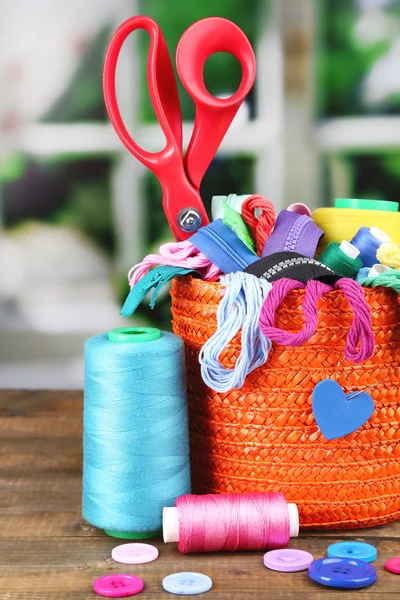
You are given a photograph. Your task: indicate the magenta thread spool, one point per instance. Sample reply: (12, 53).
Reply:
(230, 522)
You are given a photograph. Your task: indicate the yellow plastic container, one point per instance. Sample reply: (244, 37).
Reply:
(343, 223)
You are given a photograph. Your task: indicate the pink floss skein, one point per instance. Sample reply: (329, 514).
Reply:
(230, 522)
(361, 328)
(280, 289)
(175, 254)
(360, 332)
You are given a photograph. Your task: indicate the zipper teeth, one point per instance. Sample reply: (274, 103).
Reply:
(294, 233)
(226, 247)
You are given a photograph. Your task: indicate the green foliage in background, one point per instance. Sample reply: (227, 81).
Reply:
(222, 71)
(343, 62)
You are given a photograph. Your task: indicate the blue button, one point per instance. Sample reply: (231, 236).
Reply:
(342, 572)
(358, 550)
(187, 583)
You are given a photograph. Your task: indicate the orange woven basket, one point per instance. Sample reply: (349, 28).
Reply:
(263, 437)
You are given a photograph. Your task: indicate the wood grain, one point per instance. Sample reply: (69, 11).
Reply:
(48, 551)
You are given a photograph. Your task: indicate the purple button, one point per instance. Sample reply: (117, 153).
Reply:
(118, 586)
(288, 560)
(134, 554)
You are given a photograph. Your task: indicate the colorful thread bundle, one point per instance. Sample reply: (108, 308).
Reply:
(136, 448)
(389, 254)
(261, 227)
(389, 279)
(175, 254)
(340, 262)
(360, 333)
(238, 310)
(233, 522)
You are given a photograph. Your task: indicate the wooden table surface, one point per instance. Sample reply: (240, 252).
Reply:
(47, 551)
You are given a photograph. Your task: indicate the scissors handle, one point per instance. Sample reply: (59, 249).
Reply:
(162, 89)
(213, 115)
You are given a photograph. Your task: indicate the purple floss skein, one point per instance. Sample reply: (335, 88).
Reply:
(360, 332)
(280, 289)
(361, 328)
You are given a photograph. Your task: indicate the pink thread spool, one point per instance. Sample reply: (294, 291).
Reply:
(229, 522)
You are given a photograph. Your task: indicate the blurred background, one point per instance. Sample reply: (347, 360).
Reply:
(77, 211)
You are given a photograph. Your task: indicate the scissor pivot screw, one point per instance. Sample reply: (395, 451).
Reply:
(189, 220)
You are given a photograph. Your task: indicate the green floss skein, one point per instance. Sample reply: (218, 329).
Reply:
(334, 258)
(389, 279)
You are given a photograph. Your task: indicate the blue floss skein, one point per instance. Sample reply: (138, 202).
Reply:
(136, 447)
(362, 274)
(239, 308)
(367, 244)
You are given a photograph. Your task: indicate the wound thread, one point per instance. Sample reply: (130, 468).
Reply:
(367, 244)
(337, 260)
(136, 446)
(233, 522)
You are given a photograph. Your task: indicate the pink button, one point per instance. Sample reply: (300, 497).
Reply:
(118, 586)
(134, 554)
(393, 565)
(288, 560)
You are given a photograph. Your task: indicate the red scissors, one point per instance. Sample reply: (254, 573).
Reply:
(180, 177)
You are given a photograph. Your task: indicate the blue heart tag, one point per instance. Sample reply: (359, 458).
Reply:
(335, 414)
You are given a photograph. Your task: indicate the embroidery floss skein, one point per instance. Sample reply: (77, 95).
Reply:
(390, 279)
(389, 254)
(230, 522)
(261, 226)
(360, 339)
(175, 254)
(136, 448)
(239, 309)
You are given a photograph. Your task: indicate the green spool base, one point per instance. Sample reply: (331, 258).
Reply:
(127, 535)
(361, 204)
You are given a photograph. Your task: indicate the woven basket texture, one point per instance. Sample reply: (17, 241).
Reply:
(263, 437)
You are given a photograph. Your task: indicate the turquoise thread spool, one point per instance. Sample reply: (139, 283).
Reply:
(136, 448)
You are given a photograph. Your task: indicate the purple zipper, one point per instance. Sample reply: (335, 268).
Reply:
(295, 232)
